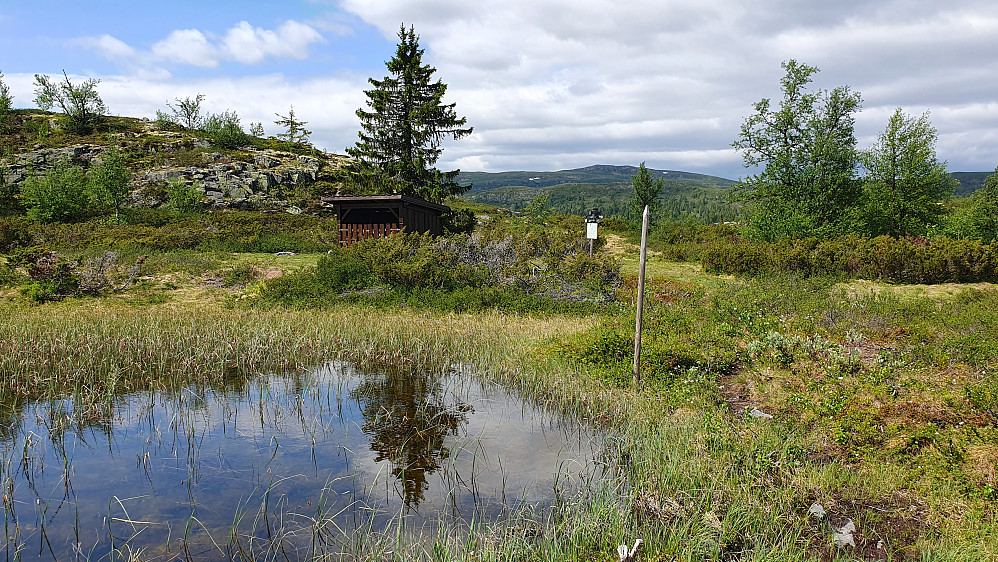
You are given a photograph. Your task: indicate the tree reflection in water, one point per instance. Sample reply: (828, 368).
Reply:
(407, 417)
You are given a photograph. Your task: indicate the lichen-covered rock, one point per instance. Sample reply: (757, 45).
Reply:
(248, 178)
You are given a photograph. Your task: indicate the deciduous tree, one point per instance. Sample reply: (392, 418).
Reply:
(905, 183)
(978, 218)
(82, 104)
(107, 181)
(6, 103)
(646, 191)
(187, 112)
(401, 134)
(806, 149)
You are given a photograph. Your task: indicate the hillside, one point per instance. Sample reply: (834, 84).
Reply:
(607, 188)
(597, 174)
(969, 182)
(262, 174)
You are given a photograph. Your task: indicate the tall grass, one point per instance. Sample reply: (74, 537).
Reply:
(698, 478)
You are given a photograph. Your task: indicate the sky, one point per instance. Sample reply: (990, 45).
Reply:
(546, 84)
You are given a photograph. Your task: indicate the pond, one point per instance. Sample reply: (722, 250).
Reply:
(286, 466)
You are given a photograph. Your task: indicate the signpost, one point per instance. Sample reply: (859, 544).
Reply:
(641, 297)
(592, 224)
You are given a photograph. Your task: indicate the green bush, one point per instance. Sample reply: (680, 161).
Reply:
(738, 259)
(341, 270)
(224, 131)
(8, 276)
(59, 195)
(298, 288)
(183, 197)
(901, 260)
(50, 277)
(14, 231)
(599, 271)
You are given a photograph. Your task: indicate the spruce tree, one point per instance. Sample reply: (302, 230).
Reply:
(400, 136)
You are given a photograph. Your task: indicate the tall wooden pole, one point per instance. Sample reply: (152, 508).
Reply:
(641, 298)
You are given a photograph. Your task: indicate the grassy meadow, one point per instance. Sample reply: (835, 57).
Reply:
(883, 398)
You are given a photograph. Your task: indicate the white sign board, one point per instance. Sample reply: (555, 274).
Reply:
(591, 230)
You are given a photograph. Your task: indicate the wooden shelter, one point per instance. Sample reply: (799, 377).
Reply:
(376, 216)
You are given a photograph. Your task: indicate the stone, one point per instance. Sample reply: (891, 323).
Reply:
(759, 414)
(843, 536)
(264, 161)
(817, 511)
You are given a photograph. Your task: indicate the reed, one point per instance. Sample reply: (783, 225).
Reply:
(695, 478)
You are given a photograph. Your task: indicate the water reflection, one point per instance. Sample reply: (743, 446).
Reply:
(407, 419)
(275, 465)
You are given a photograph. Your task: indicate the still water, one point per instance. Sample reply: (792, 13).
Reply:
(285, 466)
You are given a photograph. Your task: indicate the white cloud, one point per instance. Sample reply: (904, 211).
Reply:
(242, 43)
(110, 47)
(188, 46)
(566, 81)
(248, 44)
(551, 84)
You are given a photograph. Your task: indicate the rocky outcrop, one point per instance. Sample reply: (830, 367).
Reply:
(250, 178)
(258, 179)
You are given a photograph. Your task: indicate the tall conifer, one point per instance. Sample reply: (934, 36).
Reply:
(400, 136)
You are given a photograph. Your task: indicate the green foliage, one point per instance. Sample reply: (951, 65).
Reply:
(183, 197)
(458, 221)
(107, 182)
(14, 231)
(295, 131)
(896, 260)
(224, 131)
(977, 219)
(679, 199)
(342, 270)
(256, 129)
(538, 208)
(646, 192)
(465, 272)
(60, 195)
(807, 151)
(186, 114)
(166, 229)
(82, 105)
(6, 104)
(51, 277)
(239, 276)
(905, 184)
(400, 137)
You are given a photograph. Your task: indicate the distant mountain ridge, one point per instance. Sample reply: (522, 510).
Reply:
(605, 187)
(596, 174)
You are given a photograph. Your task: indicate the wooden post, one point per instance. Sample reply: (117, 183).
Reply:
(641, 298)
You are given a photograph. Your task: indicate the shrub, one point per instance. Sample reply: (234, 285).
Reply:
(51, 277)
(297, 288)
(599, 271)
(14, 231)
(184, 197)
(57, 196)
(224, 131)
(341, 270)
(737, 259)
(902, 260)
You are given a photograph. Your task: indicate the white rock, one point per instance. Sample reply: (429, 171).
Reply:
(816, 510)
(843, 535)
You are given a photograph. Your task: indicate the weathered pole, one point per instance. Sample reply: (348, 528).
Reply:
(641, 298)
